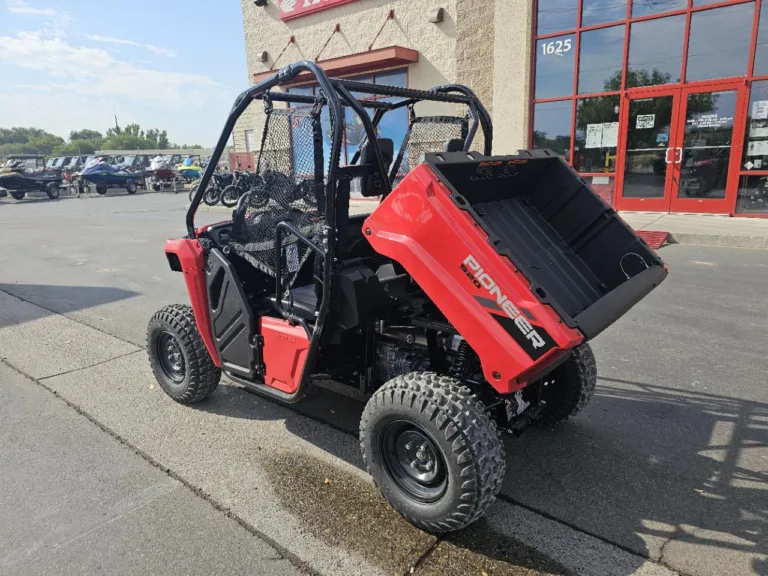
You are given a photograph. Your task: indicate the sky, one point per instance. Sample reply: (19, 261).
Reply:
(176, 65)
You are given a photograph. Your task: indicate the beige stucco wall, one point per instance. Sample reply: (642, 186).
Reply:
(513, 26)
(482, 43)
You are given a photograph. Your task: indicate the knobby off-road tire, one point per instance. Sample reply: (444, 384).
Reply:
(460, 431)
(570, 387)
(198, 376)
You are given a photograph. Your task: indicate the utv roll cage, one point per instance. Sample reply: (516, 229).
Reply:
(335, 95)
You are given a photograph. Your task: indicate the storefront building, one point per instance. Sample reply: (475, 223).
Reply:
(662, 105)
(413, 43)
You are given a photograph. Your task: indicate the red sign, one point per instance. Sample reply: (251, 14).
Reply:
(290, 9)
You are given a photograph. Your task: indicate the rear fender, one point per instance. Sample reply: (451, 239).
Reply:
(480, 292)
(186, 255)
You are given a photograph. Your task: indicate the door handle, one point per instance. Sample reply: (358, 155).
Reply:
(666, 156)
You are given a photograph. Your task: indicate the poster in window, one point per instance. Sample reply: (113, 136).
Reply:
(760, 110)
(610, 134)
(594, 136)
(757, 148)
(645, 121)
(758, 129)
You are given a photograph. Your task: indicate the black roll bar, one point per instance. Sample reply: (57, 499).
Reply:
(241, 104)
(330, 91)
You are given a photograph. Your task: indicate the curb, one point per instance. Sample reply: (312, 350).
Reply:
(719, 240)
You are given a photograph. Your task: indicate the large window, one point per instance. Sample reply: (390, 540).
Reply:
(588, 52)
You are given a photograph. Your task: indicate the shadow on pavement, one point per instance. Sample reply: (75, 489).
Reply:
(646, 467)
(61, 299)
(658, 470)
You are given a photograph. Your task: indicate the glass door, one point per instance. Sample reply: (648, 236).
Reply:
(706, 162)
(648, 152)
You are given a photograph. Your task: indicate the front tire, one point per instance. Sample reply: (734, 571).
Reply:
(570, 387)
(432, 450)
(212, 196)
(131, 187)
(178, 356)
(101, 190)
(230, 195)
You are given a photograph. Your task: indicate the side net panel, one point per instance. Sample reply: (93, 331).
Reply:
(428, 134)
(283, 191)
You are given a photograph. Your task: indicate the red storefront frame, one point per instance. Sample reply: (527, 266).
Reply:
(673, 201)
(680, 90)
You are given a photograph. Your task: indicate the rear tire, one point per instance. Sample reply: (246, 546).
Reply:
(178, 356)
(101, 190)
(570, 387)
(18, 195)
(432, 450)
(53, 191)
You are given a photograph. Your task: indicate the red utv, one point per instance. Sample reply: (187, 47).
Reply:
(461, 307)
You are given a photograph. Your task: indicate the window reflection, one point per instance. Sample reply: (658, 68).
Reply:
(597, 132)
(655, 51)
(753, 195)
(707, 143)
(645, 7)
(647, 156)
(761, 51)
(602, 11)
(555, 66)
(556, 16)
(552, 127)
(719, 42)
(600, 60)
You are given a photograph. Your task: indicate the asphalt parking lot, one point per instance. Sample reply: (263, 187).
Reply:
(666, 470)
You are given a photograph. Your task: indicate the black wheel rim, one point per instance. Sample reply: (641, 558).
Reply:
(413, 461)
(171, 357)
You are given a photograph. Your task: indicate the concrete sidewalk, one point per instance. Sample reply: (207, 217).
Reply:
(704, 229)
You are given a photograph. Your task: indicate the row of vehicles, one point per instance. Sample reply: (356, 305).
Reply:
(21, 174)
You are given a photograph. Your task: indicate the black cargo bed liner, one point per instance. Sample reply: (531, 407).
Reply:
(579, 256)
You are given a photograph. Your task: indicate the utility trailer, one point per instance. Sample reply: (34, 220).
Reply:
(459, 309)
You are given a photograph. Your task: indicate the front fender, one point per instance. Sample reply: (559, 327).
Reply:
(186, 255)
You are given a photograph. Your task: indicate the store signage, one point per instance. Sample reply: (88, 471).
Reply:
(556, 47)
(290, 9)
(709, 121)
(645, 121)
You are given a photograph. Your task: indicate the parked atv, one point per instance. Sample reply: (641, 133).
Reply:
(460, 308)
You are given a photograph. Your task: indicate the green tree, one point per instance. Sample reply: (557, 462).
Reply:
(85, 135)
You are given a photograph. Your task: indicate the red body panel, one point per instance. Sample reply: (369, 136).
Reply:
(190, 255)
(285, 353)
(420, 226)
